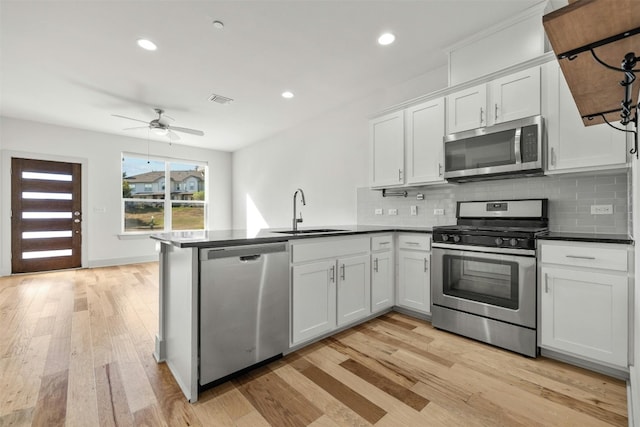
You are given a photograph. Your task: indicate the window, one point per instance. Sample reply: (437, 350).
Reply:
(164, 209)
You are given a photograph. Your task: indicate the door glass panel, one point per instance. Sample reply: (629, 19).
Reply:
(45, 215)
(46, 254)
(46, 196)
(47, 176)
(46, 234)
(484, 151)
(491, 281)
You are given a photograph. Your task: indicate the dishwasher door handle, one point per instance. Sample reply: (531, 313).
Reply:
(245, 253)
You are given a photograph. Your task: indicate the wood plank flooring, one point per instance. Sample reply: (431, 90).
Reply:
(76, 349)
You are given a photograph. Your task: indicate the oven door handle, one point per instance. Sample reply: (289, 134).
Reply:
(485, 249)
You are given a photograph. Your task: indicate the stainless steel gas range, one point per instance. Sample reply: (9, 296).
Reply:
(483, 272)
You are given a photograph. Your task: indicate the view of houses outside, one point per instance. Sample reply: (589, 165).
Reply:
(145, 185)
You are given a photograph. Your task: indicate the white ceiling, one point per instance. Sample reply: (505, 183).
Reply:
(74, 63)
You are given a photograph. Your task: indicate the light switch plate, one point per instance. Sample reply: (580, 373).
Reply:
(438, 211)
(393, 211)
(414, 210)
(378, 211)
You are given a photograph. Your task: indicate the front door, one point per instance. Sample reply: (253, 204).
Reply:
(46, 216)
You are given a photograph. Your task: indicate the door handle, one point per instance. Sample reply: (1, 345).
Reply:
(342, 272)
(426, 265)
(546, 283)
(332, 274)
(375, 265)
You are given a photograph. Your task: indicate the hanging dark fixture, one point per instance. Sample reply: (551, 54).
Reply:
(610, 31)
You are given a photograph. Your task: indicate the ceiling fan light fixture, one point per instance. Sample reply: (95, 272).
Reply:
(160, 131)
(147, 44)
(287, 94)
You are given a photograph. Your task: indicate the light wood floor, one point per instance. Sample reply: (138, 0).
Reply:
(75, 349)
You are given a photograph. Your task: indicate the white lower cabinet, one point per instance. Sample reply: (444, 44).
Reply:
(354, 289)
(382, 273)
(313, 299)
(330, 285)
(414, 276)
(584, 290)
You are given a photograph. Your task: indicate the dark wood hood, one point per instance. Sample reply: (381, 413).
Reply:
(608, 28)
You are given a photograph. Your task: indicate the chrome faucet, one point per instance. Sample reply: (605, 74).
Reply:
(297, 220)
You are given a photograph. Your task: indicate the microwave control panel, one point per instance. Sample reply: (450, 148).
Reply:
(529, 144)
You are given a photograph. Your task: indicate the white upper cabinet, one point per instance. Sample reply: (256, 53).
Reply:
(424, 146)
(467, 109)
(511, 97)
(573, 147)
(514, 96)
(386, 145)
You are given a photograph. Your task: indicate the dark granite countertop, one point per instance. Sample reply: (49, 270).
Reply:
(219, 238)
(587, 237)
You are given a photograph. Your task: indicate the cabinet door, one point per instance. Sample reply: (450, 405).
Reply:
(515, 96)
(414, 287)
(386, 142)
(382, 281)
(354, 289)
(313, 300)
(467, 109)
(572, 146)
(424, 149)
(585, 313)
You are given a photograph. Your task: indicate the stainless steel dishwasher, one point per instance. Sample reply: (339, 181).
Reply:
(244, 308)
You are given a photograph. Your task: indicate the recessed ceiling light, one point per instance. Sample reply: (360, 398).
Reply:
(218, 25)
(147, 44)
(386, 39)
(287, 95)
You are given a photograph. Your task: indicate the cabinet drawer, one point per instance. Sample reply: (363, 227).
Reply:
(381, 243)
(420, 242)
(603, 256)
(312, 249)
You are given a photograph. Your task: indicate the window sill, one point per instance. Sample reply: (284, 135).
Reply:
(136, 236)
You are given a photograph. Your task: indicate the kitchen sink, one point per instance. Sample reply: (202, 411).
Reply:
(310, 231)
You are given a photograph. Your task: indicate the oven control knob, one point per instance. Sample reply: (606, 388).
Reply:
(456, 238)
(445, 237)
(499, 241)
(513, 242)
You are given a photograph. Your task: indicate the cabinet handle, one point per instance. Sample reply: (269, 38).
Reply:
(332, 276)
(413, 243)
(342, 272)
(439, 169)
(375, 265)
(546, 283)
(553, 156)
(426, 265)
(384, 243)
(481, 115)
(496, 112)
(399, 175)
(580, 257)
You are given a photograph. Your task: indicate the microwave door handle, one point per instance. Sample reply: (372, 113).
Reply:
(516, 145)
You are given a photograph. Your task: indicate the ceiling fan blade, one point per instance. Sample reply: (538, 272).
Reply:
(173, 136)
(187, 130)
(137, 127)
(129, 118)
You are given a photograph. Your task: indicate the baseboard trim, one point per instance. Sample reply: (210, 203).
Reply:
(614, 372)
(110, 262)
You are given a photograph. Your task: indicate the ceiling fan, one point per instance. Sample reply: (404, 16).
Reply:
(161, 126)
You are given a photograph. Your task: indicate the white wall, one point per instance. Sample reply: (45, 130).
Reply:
(101, 155)
(327, 157)
(635, 370)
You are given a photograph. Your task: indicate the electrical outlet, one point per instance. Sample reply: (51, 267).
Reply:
(601, 209)
(438, 211)
(100, 209)
(378, 211)
(393, 211)
(414, 210)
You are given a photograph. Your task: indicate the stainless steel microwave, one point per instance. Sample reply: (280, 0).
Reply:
(506, 150)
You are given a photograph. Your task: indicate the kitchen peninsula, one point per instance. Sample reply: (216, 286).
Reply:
(181, 274)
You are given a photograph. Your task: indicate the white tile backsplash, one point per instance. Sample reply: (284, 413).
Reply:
(570, 199)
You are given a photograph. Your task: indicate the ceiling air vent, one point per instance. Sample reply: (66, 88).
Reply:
(220, 99)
